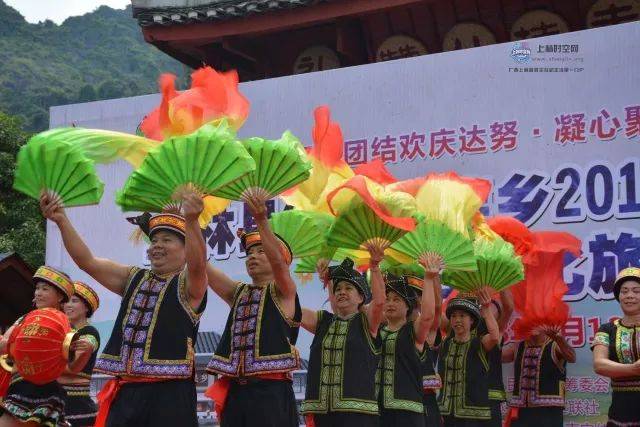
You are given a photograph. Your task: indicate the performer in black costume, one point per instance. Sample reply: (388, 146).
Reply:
(616, 352)
(80, 409)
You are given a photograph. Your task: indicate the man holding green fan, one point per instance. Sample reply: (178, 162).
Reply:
(256, 354)
(151, 349)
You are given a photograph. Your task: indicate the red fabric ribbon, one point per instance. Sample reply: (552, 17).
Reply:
(309, 420)
(109, 392)
(511, 415)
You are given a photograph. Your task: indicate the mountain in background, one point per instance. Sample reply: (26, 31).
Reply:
(100, 55)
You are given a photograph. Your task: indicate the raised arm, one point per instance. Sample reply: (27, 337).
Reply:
(195, 250)
(509, 353)
(507, 310)
(221, 284)
(563, 349)
(423, 324)
(375, 308)
(492, 338)
(437, 298)
(606, 367)
(285, 286)
(109, 274)
(310, 317)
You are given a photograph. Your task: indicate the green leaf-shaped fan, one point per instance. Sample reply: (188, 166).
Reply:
(305, 232)
(498, 267)
(358, 226)
(59, 169)
(280, 165)
(203, 161)
(434, 237)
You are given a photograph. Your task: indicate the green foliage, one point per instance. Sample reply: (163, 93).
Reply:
(21, 225)
(100, 55)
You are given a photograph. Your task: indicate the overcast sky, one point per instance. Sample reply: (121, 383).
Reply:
(59, 10)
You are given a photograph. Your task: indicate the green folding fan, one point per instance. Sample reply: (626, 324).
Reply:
(435, 237)
(280, 165)
(202, 161)
(358, 226)
(498, 267)
(304, 231)
(59, 169)
(104, 146)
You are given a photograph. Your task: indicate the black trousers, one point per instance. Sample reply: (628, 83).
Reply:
(432, 416)
(462, 422)
(166, 403)
(346, 419)
(264, 403)
(496, 413)
(550, 416)
(394, 418)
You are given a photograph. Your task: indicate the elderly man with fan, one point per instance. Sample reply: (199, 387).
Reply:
(256, 354)
(150, 351)
(27, 403)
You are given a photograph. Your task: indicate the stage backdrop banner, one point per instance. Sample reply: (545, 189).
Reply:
(553, 122)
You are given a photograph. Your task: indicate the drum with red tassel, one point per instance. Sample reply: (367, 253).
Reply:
(40, 346)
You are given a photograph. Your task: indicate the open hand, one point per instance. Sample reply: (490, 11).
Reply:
(376, 254)
(432, 263)
(51, 208)
(257, 206)
(484, 296)
(192, 206)
(322, 267)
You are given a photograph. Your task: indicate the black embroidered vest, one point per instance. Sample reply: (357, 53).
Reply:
(155, 330)
(538, 379)
(399, 376)
(342, 366)
(258, 338)
(464, 370)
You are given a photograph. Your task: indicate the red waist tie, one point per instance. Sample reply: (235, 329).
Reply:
(309, 421)
(109, 392)
(511, 415)
(219, 390)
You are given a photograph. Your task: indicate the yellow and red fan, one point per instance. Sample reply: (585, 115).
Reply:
(367, 215)
(329, 170)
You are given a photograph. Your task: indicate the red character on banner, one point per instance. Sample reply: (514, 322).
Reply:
(570, 128)
(632, 121)
(441, 142)
(598, 126)
(504, 136)
(356, 151)
(411, 146)
(574, 331)
(472, 140)
(384, 149)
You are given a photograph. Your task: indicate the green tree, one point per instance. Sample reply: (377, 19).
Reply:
(21, 225)
(87, 93)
